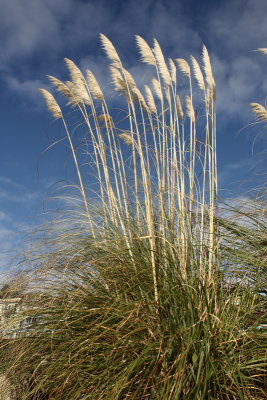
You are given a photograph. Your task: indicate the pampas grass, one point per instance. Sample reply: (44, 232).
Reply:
(130, 301)
(260, 111)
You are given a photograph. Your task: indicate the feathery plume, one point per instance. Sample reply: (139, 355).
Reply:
(117, 79)
(208, 98)
(110, 50)
(168, 94)
(157, 88)
(263, 50)
(183, 66)
(174, 167)
(79, 94)
(147, 55)
(189, 108)
(150, 100)
(107, 119)
(260, 111)
(208, 71)
(75, 72)
(94, 86)
(51, 103)
(74, 98)
(172, 70)
(179, 107)
(128, 139)
(162, 64)
(198, 73)
(60, 86)
(82, 91)
(119, 83)
(140, 98)
(79, 82)
(128, 78)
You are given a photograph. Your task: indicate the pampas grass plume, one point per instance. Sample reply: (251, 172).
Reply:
(128, 78)
(117, 79)
(263, 50)
(208, 71)
(198, 73)
(79, 94)
(94, 86)
(172, 70)
(150, 100)
(157, 88)
(179, 107)
(128, 139)
(147, 55)
(61, 87)
(162, 64)
(260, 111)
(189, 108)
(183, 66)
(51, 103)
(75, 72)
(110, 50)
(139, 97)
(107, 119)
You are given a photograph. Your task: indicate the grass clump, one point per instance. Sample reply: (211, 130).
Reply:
(130, 302)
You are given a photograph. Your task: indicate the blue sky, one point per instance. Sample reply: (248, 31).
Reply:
(35, 36)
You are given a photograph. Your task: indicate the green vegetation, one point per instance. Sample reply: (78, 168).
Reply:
(139, 291)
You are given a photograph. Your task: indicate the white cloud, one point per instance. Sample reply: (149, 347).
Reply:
(47, 27)
(7, 181)
(236, 81)
(26, 26)
(16, 192)
(230, 170)
(99, 68)
(18, 198)
(234, 30)
(4, 216)
(5, 232)
(239, 24)
(28, 91)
